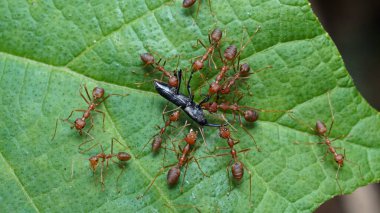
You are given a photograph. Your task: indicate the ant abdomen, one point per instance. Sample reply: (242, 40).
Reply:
(173, 176)
(98, 92)
(216, 35)
(123, 156)
(188, 3)
(230, 52)
(251, 115)
(244, 70)
(320, 127)
(156, 145)
(147, 58)
(237, 170)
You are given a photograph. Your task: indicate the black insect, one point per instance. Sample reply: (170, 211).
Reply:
(187, 104)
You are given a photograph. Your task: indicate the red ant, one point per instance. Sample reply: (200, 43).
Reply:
(237, 167)
(243, 73)
(96, 100)
(148, 59)
(250, 115)
(157, 139)
(230, 54)
(214, 40)
(175, 170)
(94, 160)
(190, 3)
(321, 130)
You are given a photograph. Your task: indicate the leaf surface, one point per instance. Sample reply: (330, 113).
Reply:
(49, 48)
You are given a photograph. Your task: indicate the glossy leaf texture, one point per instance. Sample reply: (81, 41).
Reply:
(49, 48)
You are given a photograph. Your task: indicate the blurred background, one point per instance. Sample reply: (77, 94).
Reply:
(355, 28)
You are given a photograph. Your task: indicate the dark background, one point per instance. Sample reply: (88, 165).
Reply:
(354, 26)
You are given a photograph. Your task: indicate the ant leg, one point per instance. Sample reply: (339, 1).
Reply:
(250, 182)
(199, 167)
(104, 117)
(84, 151)
(75, 110)
(84, 98)
(332, 114)
(154, 179)
(189, 87)
(200, 42)
(228, 175)
(337, 181)
(253, 139)
(84, 142)
(207, 98)
(92, 124)
(109, 95)
(204, 139)
(86, 90)
(55, 130)
(102, 177)
(324, 156)
(179, 81)
(184, 175)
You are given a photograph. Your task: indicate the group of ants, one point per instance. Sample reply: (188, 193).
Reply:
(228, 77)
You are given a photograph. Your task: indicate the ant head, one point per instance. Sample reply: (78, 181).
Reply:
(174, 116)
(191, 138)
(197, 65)
(320, 127)
(123, 156)
(147, 58)
(244, 70)
(93, 162)
(224, 132)
(251, 115)
(230, 52)
(79, 124)
(339, 159)
(97, 92)
(214, 88)
(216, 35)
(173, 81)
(156, 145)
(173, 176)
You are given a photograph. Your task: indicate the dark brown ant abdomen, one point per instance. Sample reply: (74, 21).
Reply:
(251, 115)
(123, 156)
(230, 52)
(216, 35)
(173, 176)
(237, 170)
(98, 92)
(320, 128)
(188, 3)
(156, 145)
(147, 58)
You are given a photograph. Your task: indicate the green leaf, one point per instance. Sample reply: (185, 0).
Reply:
(48, 48)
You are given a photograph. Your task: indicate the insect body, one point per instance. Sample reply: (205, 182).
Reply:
(187, 104)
